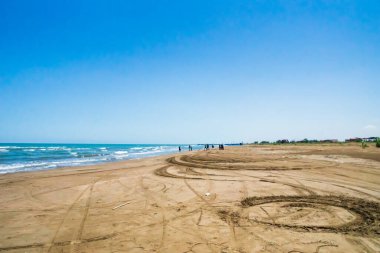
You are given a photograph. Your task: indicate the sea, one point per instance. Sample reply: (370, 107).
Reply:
(17, 157)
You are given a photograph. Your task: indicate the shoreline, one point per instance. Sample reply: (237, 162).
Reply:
(42, 157)
(107, 165)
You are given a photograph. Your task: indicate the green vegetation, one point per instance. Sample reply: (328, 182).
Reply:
(364, 141)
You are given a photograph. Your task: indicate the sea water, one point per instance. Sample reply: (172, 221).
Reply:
(15, 157)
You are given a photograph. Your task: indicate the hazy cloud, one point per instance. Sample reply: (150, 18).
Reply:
(370, 127)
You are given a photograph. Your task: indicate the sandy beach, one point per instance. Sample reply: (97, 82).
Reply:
(270, 198)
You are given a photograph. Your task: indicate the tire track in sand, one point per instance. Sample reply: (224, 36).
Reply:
(53, 241)
(149, 195)
(75, 244)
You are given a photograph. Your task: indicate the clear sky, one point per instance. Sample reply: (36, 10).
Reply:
(188, 71)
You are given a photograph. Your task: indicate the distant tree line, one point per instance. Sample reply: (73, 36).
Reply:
(376, 140)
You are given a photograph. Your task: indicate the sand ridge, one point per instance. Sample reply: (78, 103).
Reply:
(280, 198)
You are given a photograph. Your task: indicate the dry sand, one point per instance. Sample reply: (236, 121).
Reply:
(285, 198)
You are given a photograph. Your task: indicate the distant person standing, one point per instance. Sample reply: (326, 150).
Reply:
(179, 148)
(190, 148)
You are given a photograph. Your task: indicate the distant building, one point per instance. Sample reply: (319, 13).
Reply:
(370, 139)
(330, 141)
(356, 139)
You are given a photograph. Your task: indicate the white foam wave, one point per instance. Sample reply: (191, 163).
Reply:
(121, 152)
(58, 148)
(148, 152)
(136, 148)
(75, 162)
(22, 166)
(120, 155)
(30, 166)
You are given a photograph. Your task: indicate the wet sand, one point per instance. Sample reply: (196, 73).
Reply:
(273, 198)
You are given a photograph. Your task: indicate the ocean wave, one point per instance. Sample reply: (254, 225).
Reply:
(148, 152)
(120, 155)
(31, 166)
(12, 147)
(22, 167)
(136, 148)
(5, 146)
(121, 152)
(58, 148)
(4, 150)
(77, 161)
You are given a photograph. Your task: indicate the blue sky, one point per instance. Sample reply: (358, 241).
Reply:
(188, 71)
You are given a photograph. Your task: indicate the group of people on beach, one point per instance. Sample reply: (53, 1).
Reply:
(207, 147)
(190, 148)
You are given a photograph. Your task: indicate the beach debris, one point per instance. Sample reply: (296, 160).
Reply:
(207, 194)
(116, 207)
